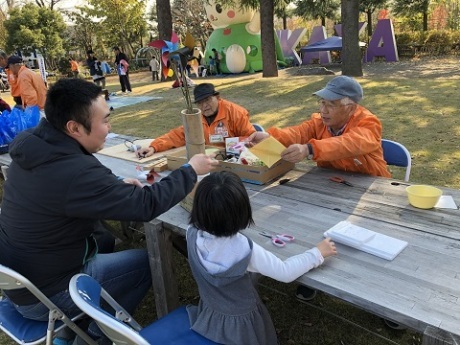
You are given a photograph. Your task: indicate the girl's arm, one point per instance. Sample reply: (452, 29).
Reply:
(266, 263)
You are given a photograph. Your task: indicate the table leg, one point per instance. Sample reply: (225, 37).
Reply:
(159, 246)
(436, 336)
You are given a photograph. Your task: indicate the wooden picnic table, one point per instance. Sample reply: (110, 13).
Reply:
(419, 288)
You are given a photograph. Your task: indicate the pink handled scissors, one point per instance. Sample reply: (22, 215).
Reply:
(278, 240)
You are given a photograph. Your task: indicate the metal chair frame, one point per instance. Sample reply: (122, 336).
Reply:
(121, 328)
(27, 331)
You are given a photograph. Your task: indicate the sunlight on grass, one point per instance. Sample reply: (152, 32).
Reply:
(421, 113)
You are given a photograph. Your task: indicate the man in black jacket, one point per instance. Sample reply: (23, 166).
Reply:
(57, 191)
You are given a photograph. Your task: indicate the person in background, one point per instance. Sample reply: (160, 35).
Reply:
(14, 87)
(4, 106)
(122, 64)
(217, 60)
(57, 192)
(212, 65)
(221, 258)
(220, 119)
(343, 135)
(74, 67)
(154, 67)
(95, 69)
(32, 88)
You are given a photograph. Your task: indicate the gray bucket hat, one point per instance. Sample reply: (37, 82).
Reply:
(341, 87)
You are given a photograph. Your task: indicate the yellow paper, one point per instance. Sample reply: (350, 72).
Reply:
(268, 151)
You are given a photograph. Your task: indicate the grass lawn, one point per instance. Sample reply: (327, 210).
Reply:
(418, 110)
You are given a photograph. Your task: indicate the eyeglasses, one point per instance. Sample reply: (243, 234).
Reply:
(329, 105)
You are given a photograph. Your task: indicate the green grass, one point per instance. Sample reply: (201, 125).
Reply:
(420, 112)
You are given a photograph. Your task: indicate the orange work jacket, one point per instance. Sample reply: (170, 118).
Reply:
(231, 120)
(357, 149)
(73, 65)
(32, 88)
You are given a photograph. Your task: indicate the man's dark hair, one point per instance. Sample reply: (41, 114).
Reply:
(221, 205)
(71, 99)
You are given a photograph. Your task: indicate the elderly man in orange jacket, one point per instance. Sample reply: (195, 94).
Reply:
(343, 135)
(221, 119)
(32, 88)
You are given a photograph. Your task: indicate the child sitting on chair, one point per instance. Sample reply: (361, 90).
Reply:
(230, 310)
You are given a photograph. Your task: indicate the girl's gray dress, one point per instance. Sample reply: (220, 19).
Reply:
(230, 310)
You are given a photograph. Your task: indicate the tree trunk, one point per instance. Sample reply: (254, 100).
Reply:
(369, 24)
(351, 53)
(425, 21)
(164, 19)
(267, 34)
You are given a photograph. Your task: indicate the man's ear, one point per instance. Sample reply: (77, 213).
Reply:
(74, 129)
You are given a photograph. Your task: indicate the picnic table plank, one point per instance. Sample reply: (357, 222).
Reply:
(419, 288)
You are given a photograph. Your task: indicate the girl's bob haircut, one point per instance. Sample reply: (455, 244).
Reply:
(221, 205)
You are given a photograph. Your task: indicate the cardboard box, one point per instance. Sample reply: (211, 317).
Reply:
(248, 173)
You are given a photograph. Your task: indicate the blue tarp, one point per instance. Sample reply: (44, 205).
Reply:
(330, 43)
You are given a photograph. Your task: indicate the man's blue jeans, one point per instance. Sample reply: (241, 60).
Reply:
(124, 275)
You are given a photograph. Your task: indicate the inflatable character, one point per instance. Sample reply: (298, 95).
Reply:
(236, 38)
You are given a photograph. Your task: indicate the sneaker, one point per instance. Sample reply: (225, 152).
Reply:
(304, 293)
(129, 91)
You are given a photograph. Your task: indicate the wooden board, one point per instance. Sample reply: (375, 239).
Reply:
(121, 151)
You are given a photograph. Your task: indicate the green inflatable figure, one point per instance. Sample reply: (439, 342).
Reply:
(236, 38)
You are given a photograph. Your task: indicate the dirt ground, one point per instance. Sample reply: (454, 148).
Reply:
(417, 67)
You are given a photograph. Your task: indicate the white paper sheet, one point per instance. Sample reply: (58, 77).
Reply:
(446, 201)
(366, 240)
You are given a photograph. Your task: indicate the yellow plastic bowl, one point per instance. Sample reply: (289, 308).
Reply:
(423, 196)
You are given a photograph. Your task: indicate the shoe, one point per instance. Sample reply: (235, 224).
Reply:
(129, 91)
(305, 294)
(394, 325)
(124, 93)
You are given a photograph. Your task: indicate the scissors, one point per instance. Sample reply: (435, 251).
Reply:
(278, 240)
(340, 180)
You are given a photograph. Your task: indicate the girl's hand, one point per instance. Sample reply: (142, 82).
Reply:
(327, 247)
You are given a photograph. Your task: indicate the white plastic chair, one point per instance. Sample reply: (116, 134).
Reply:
(27, 331)
(122, 329)
(396, 154)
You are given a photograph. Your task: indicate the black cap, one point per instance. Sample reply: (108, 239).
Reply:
(115, 48)
(14, 59)
(89, 51)
(203, 91)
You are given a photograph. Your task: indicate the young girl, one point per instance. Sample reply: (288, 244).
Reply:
(230, 310)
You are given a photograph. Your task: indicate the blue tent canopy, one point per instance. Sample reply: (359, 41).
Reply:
(330, 43)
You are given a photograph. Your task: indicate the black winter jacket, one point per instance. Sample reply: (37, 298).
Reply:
(54, 196)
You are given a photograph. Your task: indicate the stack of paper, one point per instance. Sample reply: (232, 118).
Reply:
(366, 240)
